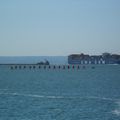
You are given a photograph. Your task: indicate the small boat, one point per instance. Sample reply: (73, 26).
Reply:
(44, 63)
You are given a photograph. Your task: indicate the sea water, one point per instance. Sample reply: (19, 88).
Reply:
(60, 94)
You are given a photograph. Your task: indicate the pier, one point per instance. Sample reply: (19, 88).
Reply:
(50, 67)
(46, 67)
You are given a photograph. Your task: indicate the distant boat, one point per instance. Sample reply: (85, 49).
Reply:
(43, 63)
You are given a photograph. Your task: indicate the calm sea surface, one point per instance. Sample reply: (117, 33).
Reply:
(57, 94)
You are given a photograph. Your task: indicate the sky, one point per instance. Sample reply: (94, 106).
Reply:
(59, 27)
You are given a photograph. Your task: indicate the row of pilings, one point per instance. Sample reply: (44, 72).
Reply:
(63, 67)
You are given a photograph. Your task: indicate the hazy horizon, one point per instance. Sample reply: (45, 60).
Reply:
(59, 28)
(54, 55)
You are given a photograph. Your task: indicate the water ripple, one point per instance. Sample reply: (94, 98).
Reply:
(59, 97)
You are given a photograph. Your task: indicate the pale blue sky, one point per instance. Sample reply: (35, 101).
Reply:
(59, 27)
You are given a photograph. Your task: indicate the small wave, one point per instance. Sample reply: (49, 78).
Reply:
(59, 97)
(3, 89)
(32, 95)
(117, 110)
(103, 98)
